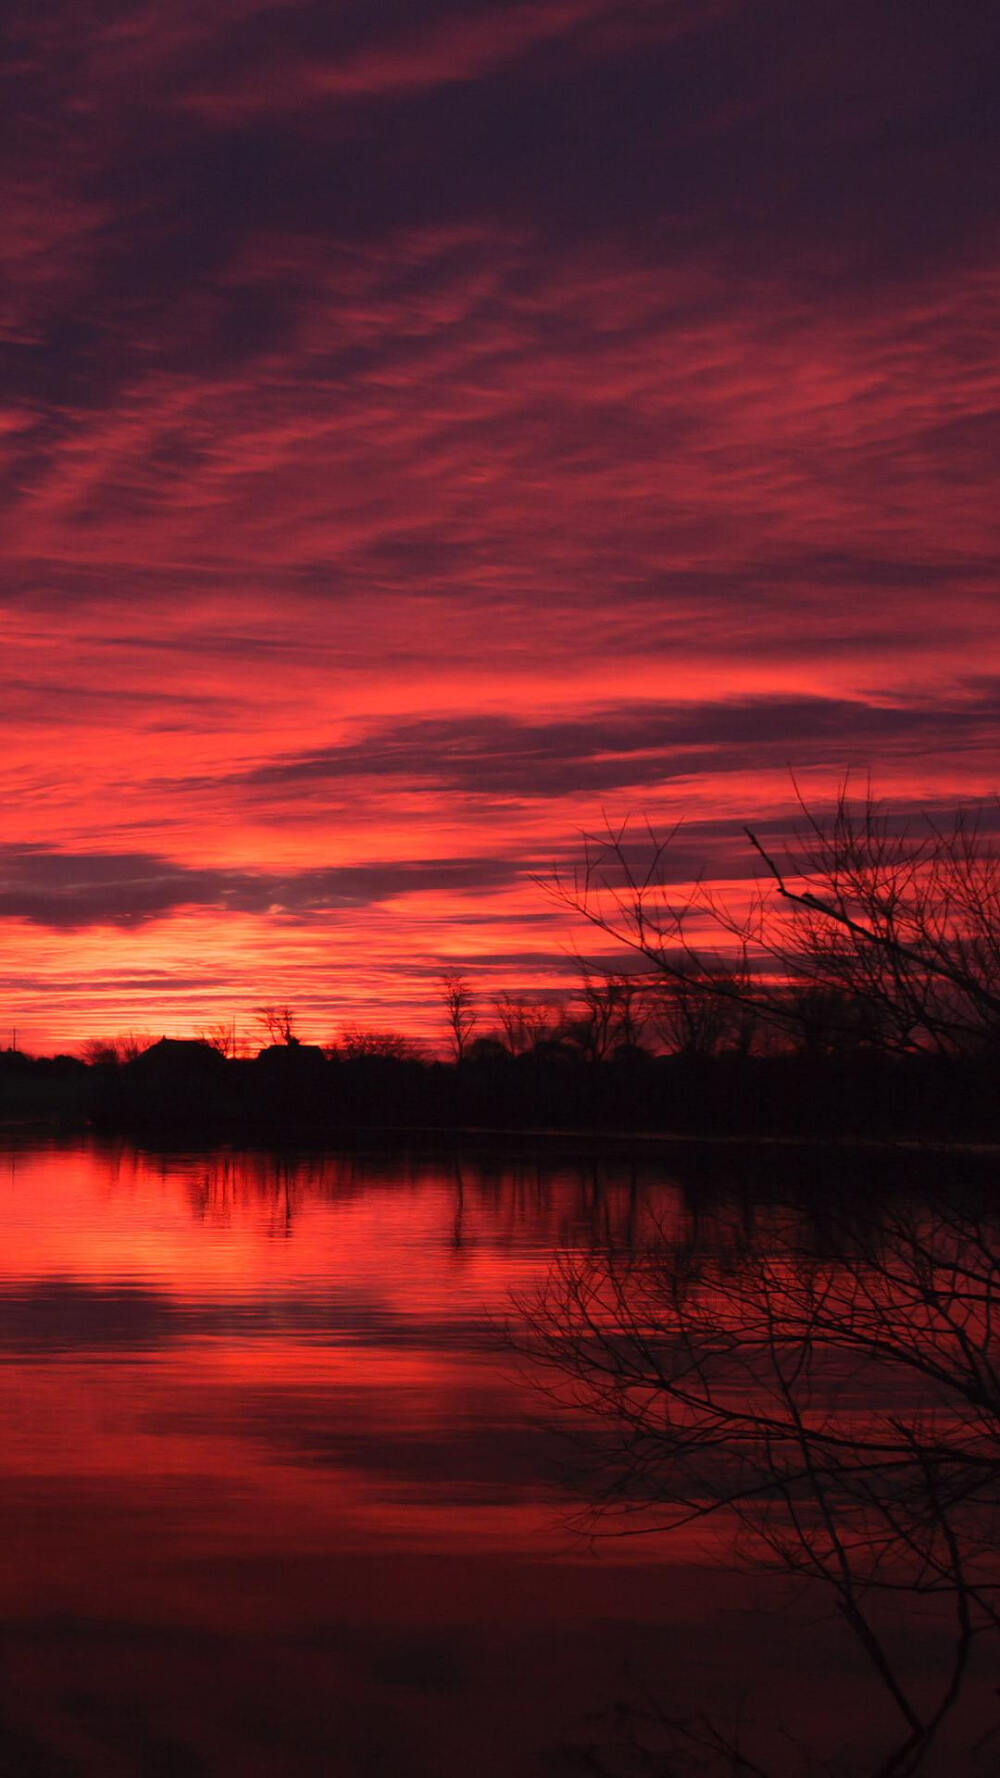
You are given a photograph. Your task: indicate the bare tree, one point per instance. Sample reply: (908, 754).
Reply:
(356, 1043)
(701, 1009)
(460, 1011)
(115, 1051)
(277, 1023)
(613, 1011)
(887, 932)
(221, 1037)
(900, 920)
(525, 1022)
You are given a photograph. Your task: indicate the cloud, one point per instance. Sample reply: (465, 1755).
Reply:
(495, 756)
(396, 411)
(68, 891)
(455, 47)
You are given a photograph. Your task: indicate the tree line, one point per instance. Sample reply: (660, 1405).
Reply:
(866, 954)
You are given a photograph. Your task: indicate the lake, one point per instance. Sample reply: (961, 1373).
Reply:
(281, 1493)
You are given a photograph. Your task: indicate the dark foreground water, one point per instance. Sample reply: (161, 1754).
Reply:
(277, 1496)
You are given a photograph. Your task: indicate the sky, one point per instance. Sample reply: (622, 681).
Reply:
(428, 431)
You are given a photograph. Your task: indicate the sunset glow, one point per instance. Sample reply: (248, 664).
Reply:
(425, 429)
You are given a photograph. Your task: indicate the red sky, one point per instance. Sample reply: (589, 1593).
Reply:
(422, 428)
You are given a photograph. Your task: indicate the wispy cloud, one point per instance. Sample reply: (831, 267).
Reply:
(417, 429)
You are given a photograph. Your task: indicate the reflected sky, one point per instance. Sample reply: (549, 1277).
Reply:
(274, 1495)
(277, 1496)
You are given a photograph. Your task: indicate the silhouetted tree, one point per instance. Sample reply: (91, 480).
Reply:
(903, 922)
(700, 1010)
(115, 1051)
(613, 1011)
(222, 1037)
(886, 932)
(277, 1023)
(355, 1043)
(460, 1011)
(525, 1022)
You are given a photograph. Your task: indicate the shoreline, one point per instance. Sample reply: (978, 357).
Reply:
(451, 1136)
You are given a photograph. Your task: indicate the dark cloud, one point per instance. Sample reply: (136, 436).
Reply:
(505, 756)
(846, 141)
(71, 890)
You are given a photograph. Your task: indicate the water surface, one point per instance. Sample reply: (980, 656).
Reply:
(278, 1496)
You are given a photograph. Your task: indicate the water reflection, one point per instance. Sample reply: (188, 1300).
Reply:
(828, 1388)
(278, 1496)
(273, 1497)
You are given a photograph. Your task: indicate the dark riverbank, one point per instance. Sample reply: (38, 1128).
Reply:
(295, 1090)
